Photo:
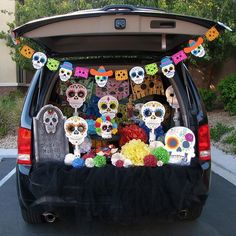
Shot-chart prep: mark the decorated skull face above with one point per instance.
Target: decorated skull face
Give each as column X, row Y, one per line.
column 39, row 60
column 76, row 129
column 50, row 120
column 76, row 95
column 153, row 114
column 180, row 142
column 151, row 69
column 195, row 47
column 65, row 71
column 137, row 74
column 101, row 80
column 105, row 127
column 171, row 97
column 167, row 67
column 108, row 106
column 137, row 116
column 199, row 51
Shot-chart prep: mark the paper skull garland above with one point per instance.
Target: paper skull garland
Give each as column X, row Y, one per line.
column 180, row 142
column 27, row 51
column 50, row 120
column 137, row 74
column 81, row 72
column 212, row 34
column 52, row 64
column 76, row 95
column 118, row 89
column 65, row 71
column 151, row 69
column 167, row 67
column 179, row 56
column 39, row 60
column 153, row 114
column 101, row 76
column 108, row 106
column 105, row 127
column 121, row 75
column 196, row 48
column 76, row 129
column 171, row 97
column 137, row 115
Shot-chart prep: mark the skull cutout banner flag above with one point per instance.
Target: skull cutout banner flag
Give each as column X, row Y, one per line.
column 53, row 64
column 81, row 72
column 196, row 48
column 137, row 74
column 108, row 106
column 39, row 60
column 101, row 76
column 65, row 71
column 180, row 142
column 167, row 67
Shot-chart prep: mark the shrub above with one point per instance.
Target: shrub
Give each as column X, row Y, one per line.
column 219, row 130
column 227, row 89
column 208, row 98
column 10, row 109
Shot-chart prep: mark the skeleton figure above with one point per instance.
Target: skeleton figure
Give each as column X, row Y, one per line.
column 39, row 60
column 50, row 120
column 167, row 67
column 171, row 97
column 137, row 74
column 65, row 71
column 180, row 142
column 153, row 114
column 108, row 106
column 136, row 114
column 101, row 80
column 76, row 95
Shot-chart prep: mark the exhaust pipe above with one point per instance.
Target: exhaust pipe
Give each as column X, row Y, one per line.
column 49, row 217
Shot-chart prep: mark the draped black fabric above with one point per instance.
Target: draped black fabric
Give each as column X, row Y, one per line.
column 119, row 192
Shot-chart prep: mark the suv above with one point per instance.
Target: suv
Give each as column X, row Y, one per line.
column 117, row 36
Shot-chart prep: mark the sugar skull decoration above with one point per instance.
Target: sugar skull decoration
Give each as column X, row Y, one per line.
column 212, row 34
column 152, row 114
column 52, row 64
column 196, row 48
column 179, row 56
column 50, row 120
column 118, row 89
column 171, row 97
column 121, row 75
column 180, row 142
column 65, row 71
column 81, row 72
column 101, row 76
column 167, row 67
column 137, row 74
column 151, row 69
column 39, row 59
column 76, row 95
column 136, row 114
column 108, row 106
column 27, row 51
column 105, row 127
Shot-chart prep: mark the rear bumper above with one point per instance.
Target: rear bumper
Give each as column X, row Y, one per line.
column 135, row 191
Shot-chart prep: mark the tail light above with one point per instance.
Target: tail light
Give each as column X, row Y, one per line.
column 204, row 144
column 24, row 146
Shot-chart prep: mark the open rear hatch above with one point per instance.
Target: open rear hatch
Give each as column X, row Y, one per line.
column 116, row 28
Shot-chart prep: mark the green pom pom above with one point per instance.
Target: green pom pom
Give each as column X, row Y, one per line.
column 161, row 154
column 98, row 130
column 99, row 161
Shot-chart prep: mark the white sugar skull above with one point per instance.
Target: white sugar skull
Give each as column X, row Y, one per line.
column 76, row 129
column 65, row 71
column 199, row 51
column 137, row 116
column 153, row 114
column 168, row 71
column 76, row 95
column 137, row 74
column 108, row 106
column 171, row 97
column 180, row 142
column 106, row 129
column 50, row 120
column 39, row 60
column 101, row 80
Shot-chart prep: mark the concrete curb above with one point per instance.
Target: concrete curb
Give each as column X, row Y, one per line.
column 224, row 164
column 8, row 153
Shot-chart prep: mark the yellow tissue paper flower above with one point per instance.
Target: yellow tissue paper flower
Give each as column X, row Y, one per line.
column 135, row 150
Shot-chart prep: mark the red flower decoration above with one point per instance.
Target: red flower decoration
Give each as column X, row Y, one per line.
column 150, row 160
column 108, row 118
column 119, row 163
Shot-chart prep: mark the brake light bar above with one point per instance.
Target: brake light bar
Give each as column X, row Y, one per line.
column 24, row 146
column 204, row 144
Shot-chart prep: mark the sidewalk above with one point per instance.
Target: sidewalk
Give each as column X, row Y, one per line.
column 222, row 164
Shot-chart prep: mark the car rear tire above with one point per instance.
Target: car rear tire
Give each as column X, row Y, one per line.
column 31, row 217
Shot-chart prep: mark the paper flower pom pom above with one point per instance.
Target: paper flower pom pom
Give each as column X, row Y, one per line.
column 161, row 154
column 117, row 157
column 69, row 158
column 89, row 162
column 150, row 160
column 160, row 163
column 135, row 150
column 78, row 163
column 127, row 163
column 119, row 163
column 99, row 161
